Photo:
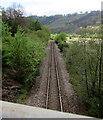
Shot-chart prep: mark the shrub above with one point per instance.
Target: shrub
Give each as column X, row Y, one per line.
column 23, row 52
column 60, row 39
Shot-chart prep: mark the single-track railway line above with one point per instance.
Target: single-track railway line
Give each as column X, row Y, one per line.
column 53, row 93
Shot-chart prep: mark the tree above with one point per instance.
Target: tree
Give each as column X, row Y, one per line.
column 13, row 16
column 38, row 26
column 31, row 23
column 60, row 39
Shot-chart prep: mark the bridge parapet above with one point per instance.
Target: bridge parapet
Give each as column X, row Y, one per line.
column 13, row 110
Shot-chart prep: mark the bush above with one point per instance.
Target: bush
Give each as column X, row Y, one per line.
column 60, row 39
column 23, row 52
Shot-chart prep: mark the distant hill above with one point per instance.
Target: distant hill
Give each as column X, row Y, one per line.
column 71, row 22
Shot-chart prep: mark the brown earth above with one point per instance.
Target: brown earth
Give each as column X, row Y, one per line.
column 10, row 87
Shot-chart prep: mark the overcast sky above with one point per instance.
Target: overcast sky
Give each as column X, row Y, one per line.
column 52, row 7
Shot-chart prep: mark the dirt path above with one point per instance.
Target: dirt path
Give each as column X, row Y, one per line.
column 38, row 95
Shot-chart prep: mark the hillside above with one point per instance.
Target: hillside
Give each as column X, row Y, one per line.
column 71, row 22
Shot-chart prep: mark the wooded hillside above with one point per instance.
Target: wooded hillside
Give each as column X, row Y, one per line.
column 71, row 22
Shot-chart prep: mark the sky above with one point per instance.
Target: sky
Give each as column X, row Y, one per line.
column 52, row 7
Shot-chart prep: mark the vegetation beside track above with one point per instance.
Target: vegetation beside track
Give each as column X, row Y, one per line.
column 24, row 42
column 84, row 60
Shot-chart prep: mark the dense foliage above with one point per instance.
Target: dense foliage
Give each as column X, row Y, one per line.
column 23, row 48
column 23, row 52
column 13, row 16
column 60, row 39
column 84, row 59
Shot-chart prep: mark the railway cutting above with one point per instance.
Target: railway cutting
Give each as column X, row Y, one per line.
column 53, row 89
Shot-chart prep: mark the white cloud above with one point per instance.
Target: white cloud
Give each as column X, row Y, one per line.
column 48, row 7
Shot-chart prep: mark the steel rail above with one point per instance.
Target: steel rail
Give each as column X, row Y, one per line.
column 58, row 79
column 49, row 75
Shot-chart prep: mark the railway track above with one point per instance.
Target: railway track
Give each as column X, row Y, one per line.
column 53, row 92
